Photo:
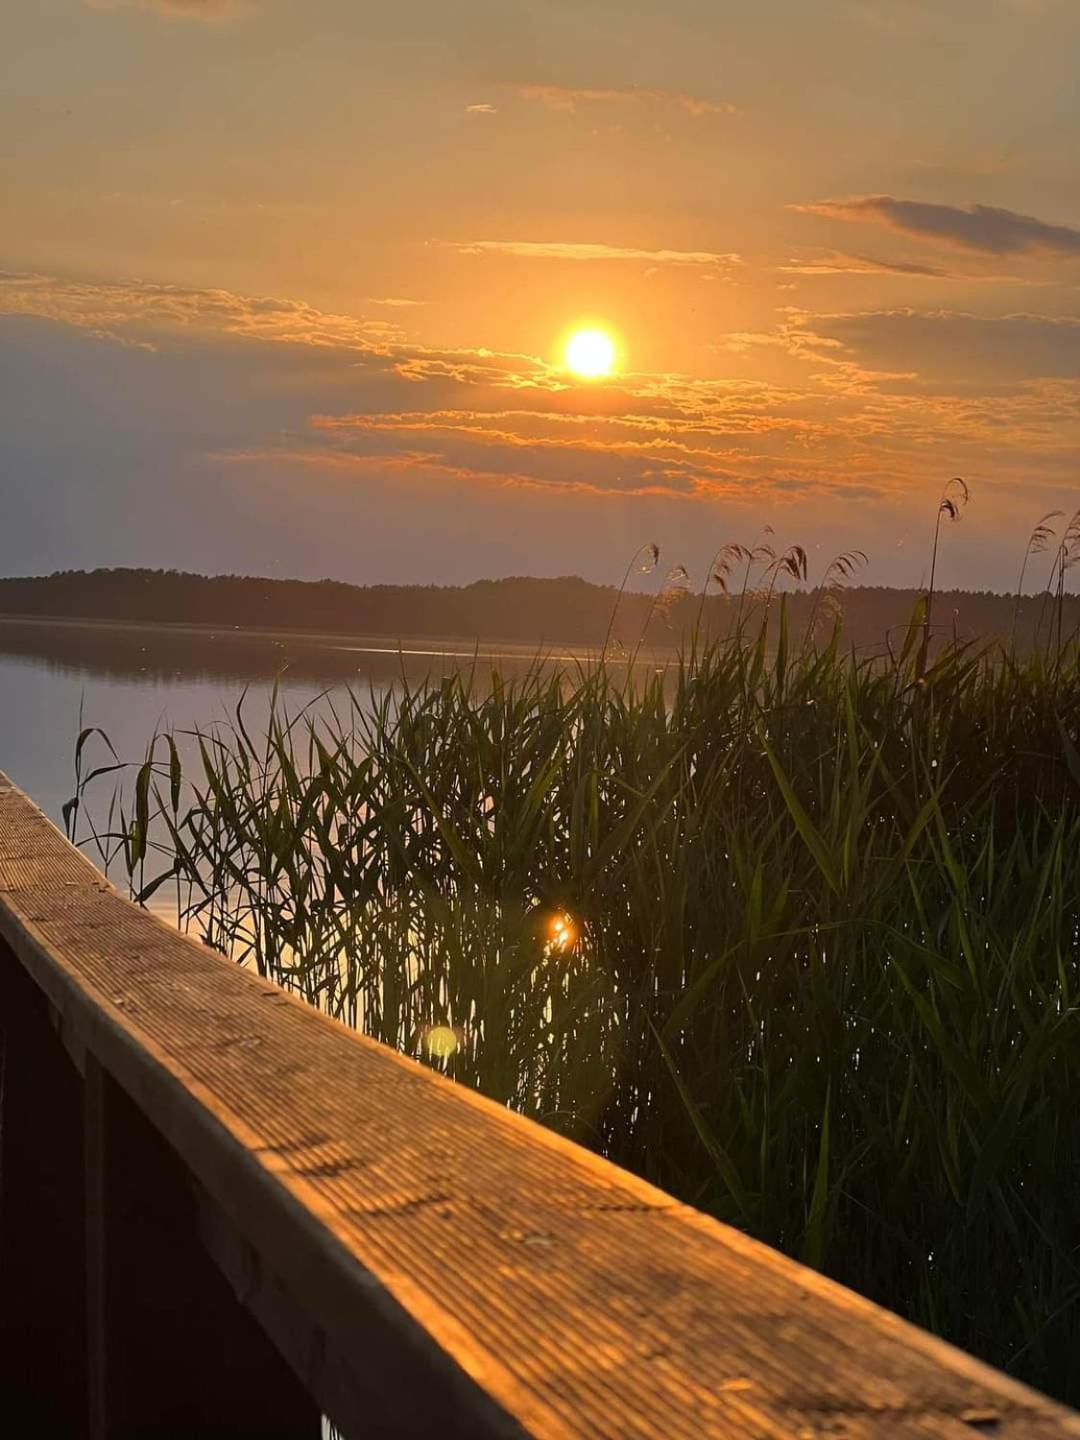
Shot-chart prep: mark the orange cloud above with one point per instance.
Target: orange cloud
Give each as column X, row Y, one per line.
column 872, row 398
column 593, row 253
column 567, row 98
column 209, row 11
column 113, row 305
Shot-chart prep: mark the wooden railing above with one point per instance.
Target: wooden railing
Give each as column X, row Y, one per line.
column 224, row 1214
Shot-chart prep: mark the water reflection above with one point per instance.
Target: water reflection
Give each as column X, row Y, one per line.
column 167, row 653
column 130, row 680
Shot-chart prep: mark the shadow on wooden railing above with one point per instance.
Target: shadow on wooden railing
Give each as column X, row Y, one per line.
column 225, row 1214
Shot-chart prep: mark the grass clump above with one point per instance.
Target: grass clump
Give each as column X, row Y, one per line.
column 791, row 933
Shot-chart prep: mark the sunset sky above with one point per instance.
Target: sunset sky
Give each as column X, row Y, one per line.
column 284, row 287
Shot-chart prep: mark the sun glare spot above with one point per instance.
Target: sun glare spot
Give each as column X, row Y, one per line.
column 562, row 932
column 590, row 354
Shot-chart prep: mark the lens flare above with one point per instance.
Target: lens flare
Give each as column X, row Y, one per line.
column 440, row 1042
column 562, row 932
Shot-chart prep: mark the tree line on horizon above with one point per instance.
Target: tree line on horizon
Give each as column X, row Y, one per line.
column 565, row 610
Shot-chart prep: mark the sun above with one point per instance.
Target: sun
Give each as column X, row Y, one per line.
column 590, row 354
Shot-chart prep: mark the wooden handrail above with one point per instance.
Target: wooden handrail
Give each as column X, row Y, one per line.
column 425, row 1261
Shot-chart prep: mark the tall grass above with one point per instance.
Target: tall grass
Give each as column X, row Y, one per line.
column 790, row 933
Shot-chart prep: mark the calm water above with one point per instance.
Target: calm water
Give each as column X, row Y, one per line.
column 40, row 703
column 129, row 681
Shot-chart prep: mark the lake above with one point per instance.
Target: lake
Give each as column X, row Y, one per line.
column 129, row 680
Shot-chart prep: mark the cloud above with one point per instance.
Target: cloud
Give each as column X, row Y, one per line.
column 983, row 229
column 114, row 456
column 395, row 302
column 209, row 11
column 841, row 263
column 482, row 109
column 245, row 391
column 628, row 436
column 146, row 306
column 954, row 347
column 567, row 98
column 908, row 392
column 609, row 477
column 659, row 435
column 570, row 250
column 152, row 313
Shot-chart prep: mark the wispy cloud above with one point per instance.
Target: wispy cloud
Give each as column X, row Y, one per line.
column 209, row 11
column 841, row 263
column 395, row 302
column 578, row 251
column 142, row 306
column 983, row 229
column 141, row 310
column 498, row 468
column 568, row 98
column 482, row 109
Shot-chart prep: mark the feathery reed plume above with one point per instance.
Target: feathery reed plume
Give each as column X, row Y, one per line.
column 954, row 498
column 676, row 584
column 1068, row 554
column 1038, row 542
column 792, row 562
column 645, row 558
column 760, row 555
column 719, row 573
column 838, row 572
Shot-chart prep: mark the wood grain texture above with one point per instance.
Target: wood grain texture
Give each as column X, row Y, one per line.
column 466, row 1268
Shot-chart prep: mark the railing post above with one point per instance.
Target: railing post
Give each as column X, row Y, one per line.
column 174, row 1353
column 42, row 1296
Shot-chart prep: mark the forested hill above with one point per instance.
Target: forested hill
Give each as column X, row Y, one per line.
column 567, row 610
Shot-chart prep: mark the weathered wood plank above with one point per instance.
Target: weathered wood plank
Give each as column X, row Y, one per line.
column 470, row 1273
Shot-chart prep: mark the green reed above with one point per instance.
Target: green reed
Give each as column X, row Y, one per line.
column 818, row 959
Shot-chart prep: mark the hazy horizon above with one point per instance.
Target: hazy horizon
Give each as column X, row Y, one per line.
column 638, row 583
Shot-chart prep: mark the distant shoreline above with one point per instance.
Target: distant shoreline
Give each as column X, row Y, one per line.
column 563, row 620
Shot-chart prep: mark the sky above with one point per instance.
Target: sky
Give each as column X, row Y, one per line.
column 285, row 287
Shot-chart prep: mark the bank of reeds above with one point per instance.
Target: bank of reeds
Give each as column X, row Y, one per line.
column 790, row 933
